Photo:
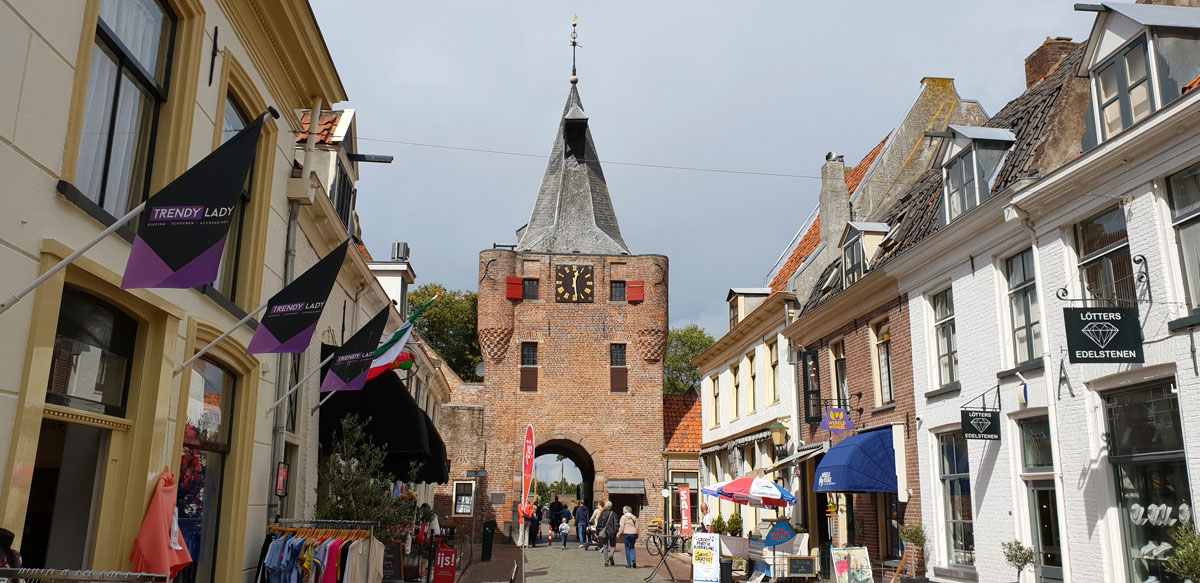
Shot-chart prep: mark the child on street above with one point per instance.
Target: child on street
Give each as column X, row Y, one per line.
column 563, row 529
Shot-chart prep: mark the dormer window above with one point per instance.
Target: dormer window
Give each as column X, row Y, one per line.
column 852, row 259
column 1123, row 89
column 859, row 241
column 974, row 157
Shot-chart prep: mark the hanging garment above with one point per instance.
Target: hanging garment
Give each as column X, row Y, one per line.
column 376, row 561
column 158, row 547
column 329, row 575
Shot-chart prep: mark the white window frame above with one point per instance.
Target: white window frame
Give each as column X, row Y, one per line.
column 1028, row 289
column 751, row 383
column 1178, row 223
column 773, row 372
column 853, row 271
column 715, row 384
column 736, row 393
column 1113, row 60
column 841, row 390
column 877, row 368
column 938, row 324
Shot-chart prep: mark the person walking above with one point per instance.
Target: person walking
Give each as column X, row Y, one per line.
column 528, row 514
column 609, row 524
column 581, row 519
column 555, row 513
column 564, row 529
column 629, row 535
column 593, row 535
column 544, row 515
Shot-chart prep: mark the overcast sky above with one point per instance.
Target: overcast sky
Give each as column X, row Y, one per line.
column 750, row 86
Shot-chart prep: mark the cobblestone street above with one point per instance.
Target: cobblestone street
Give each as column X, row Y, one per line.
column 552, row 564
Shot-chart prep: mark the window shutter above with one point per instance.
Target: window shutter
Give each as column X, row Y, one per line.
column 635, row 291
column 529, row 378
column 619, row 379
column 515, row 288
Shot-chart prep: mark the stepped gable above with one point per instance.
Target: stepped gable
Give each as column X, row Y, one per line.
column 573, row 212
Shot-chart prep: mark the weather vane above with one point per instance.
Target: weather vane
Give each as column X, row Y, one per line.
column 574, row 45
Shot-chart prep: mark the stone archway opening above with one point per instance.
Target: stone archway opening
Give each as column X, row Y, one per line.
column 577, row 455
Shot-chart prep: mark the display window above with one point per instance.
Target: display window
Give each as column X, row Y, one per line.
column 1153, row 493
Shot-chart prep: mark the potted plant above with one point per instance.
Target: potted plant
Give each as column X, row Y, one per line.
column 913, row 536
column 1185, row 562
column 718, row 525
column 734, row 526
column 1019, row 556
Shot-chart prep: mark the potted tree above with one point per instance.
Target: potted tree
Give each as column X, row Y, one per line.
column 1185, row 562
column 1018, row 556
column 734, row 526
column 913, row 536
column 719, row 525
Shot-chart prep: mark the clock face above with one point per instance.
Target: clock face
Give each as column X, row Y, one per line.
column 574, row 283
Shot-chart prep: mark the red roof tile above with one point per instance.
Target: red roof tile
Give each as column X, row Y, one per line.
column 325, row 127
column 855, row 175
column 363, row 249
column 1192, row 85
column 681, row 422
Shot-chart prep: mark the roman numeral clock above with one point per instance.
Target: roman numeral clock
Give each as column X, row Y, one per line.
column 574, row 283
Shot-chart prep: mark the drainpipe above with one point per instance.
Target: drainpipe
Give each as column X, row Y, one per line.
column 284, row 362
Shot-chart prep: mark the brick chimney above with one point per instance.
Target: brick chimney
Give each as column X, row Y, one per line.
column 1041, row 62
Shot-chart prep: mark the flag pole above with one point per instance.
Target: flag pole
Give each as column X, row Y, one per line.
column 322, row 402
column 12, row 300
column 298, row 383
column 218, row 339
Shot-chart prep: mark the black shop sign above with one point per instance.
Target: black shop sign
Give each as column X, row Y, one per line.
column 981, row 424
column 1104, row 335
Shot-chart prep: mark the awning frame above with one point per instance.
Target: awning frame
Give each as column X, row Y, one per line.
column 802, row 454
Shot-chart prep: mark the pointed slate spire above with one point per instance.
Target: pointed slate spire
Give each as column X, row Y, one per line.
column 573, row 212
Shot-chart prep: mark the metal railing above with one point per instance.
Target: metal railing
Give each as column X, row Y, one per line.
column 49, row 575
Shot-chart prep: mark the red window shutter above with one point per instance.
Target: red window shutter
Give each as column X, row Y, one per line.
column 618, row 379
column 529, row 378
column 515, row 288
column 635, row 291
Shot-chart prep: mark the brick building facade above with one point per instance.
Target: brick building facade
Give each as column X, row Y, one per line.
column 573, row 329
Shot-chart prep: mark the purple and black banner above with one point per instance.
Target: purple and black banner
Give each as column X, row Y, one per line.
column 181, row 233
column 292, row 313
column 350, row 364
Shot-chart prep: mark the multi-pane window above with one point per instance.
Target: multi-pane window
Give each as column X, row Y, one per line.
column 616, row 354
column 883, row 356
column 955, row 474
column 206, row 445
column 93, row 355
column 751, row 383
column 716, row 400
column 943, row 331
column 1184, row 189
column 841, row 381
column 1035, row 445
column 773, row 372
column 342, row 195
column 529, row 353
column 811, row 375
column 1105, row 269
column 1123, row 89
column 127, row 84
column 464, row 498
column 734, row 407
column 529, row 289
column 1023, row 307
column 733, row 313
column 616, row 291
column 235, row 120
column 968, row 177
column 852, row 259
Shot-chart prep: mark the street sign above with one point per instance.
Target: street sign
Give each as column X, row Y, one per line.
column 981, row 424
column 1105, row 335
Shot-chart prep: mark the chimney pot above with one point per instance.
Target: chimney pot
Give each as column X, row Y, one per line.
column 1043, row 60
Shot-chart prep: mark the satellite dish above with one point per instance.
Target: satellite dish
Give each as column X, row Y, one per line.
column 479, row 370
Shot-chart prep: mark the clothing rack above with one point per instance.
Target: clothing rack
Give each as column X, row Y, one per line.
column 328, row 528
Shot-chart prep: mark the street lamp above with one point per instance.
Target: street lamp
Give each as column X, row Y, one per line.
column 779, row 437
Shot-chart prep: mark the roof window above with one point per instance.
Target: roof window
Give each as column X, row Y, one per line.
column 972, row 159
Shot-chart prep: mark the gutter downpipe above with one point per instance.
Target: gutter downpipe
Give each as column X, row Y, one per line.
column 285, row 361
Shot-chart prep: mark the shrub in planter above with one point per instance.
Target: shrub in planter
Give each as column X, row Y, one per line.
column 719, row 525
column 734, row 526
column 1018, row 556
column 1185, row 562
column 913, row 536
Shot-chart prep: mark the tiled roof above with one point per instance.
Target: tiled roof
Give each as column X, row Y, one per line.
column 326, row 126
column 854, row 176
column 1194, row 83
column 681, row 422
column 363, row 249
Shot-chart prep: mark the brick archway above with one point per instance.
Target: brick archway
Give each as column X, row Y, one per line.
column 580, row 456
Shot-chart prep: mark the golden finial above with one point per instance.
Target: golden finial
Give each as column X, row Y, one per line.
column 574, row 45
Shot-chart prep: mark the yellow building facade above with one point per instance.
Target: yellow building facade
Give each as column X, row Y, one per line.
column 105, row 102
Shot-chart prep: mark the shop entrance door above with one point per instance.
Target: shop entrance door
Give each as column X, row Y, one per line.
column 64, row 495
column 824, row 533
column 1043, row 509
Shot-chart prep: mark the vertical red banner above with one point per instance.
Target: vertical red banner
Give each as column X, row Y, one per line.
column 685, row 510
column 445, row 563
column 526, row 464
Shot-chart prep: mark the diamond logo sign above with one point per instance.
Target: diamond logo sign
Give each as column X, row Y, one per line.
column 1103, row 335
column 1100, row 332
column 981, row 424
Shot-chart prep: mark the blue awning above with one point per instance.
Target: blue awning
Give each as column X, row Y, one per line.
column 860, row 463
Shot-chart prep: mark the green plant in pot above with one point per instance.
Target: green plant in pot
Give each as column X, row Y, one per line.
column 913, row 536
column 734, row 526
column 718, row 525
column 1018, row 556
column 1185, row 562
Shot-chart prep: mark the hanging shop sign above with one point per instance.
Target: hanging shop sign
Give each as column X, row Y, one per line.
column 705, row 552
column 1103, row 335
column 780, row 533
column 981, row 416
column 980, row 424
column 837, row 420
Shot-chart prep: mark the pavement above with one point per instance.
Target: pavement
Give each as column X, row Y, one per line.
column 552, row 564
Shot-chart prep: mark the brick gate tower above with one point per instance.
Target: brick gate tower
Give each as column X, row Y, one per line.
column 573, row 329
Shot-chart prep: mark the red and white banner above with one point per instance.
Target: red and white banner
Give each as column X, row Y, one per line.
column 527, row 463
column 445, row 563
column 685, row 510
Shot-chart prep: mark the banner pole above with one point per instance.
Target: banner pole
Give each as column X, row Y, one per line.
column 322, row 402
column 12, row 300
column 218, row 339
column 298, row 383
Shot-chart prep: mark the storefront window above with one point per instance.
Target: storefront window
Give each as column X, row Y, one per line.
column 205, row 447
column 690, row 479
column 1035, row 445
column 1146, row 450
column 93, row 355
column 956, row 490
